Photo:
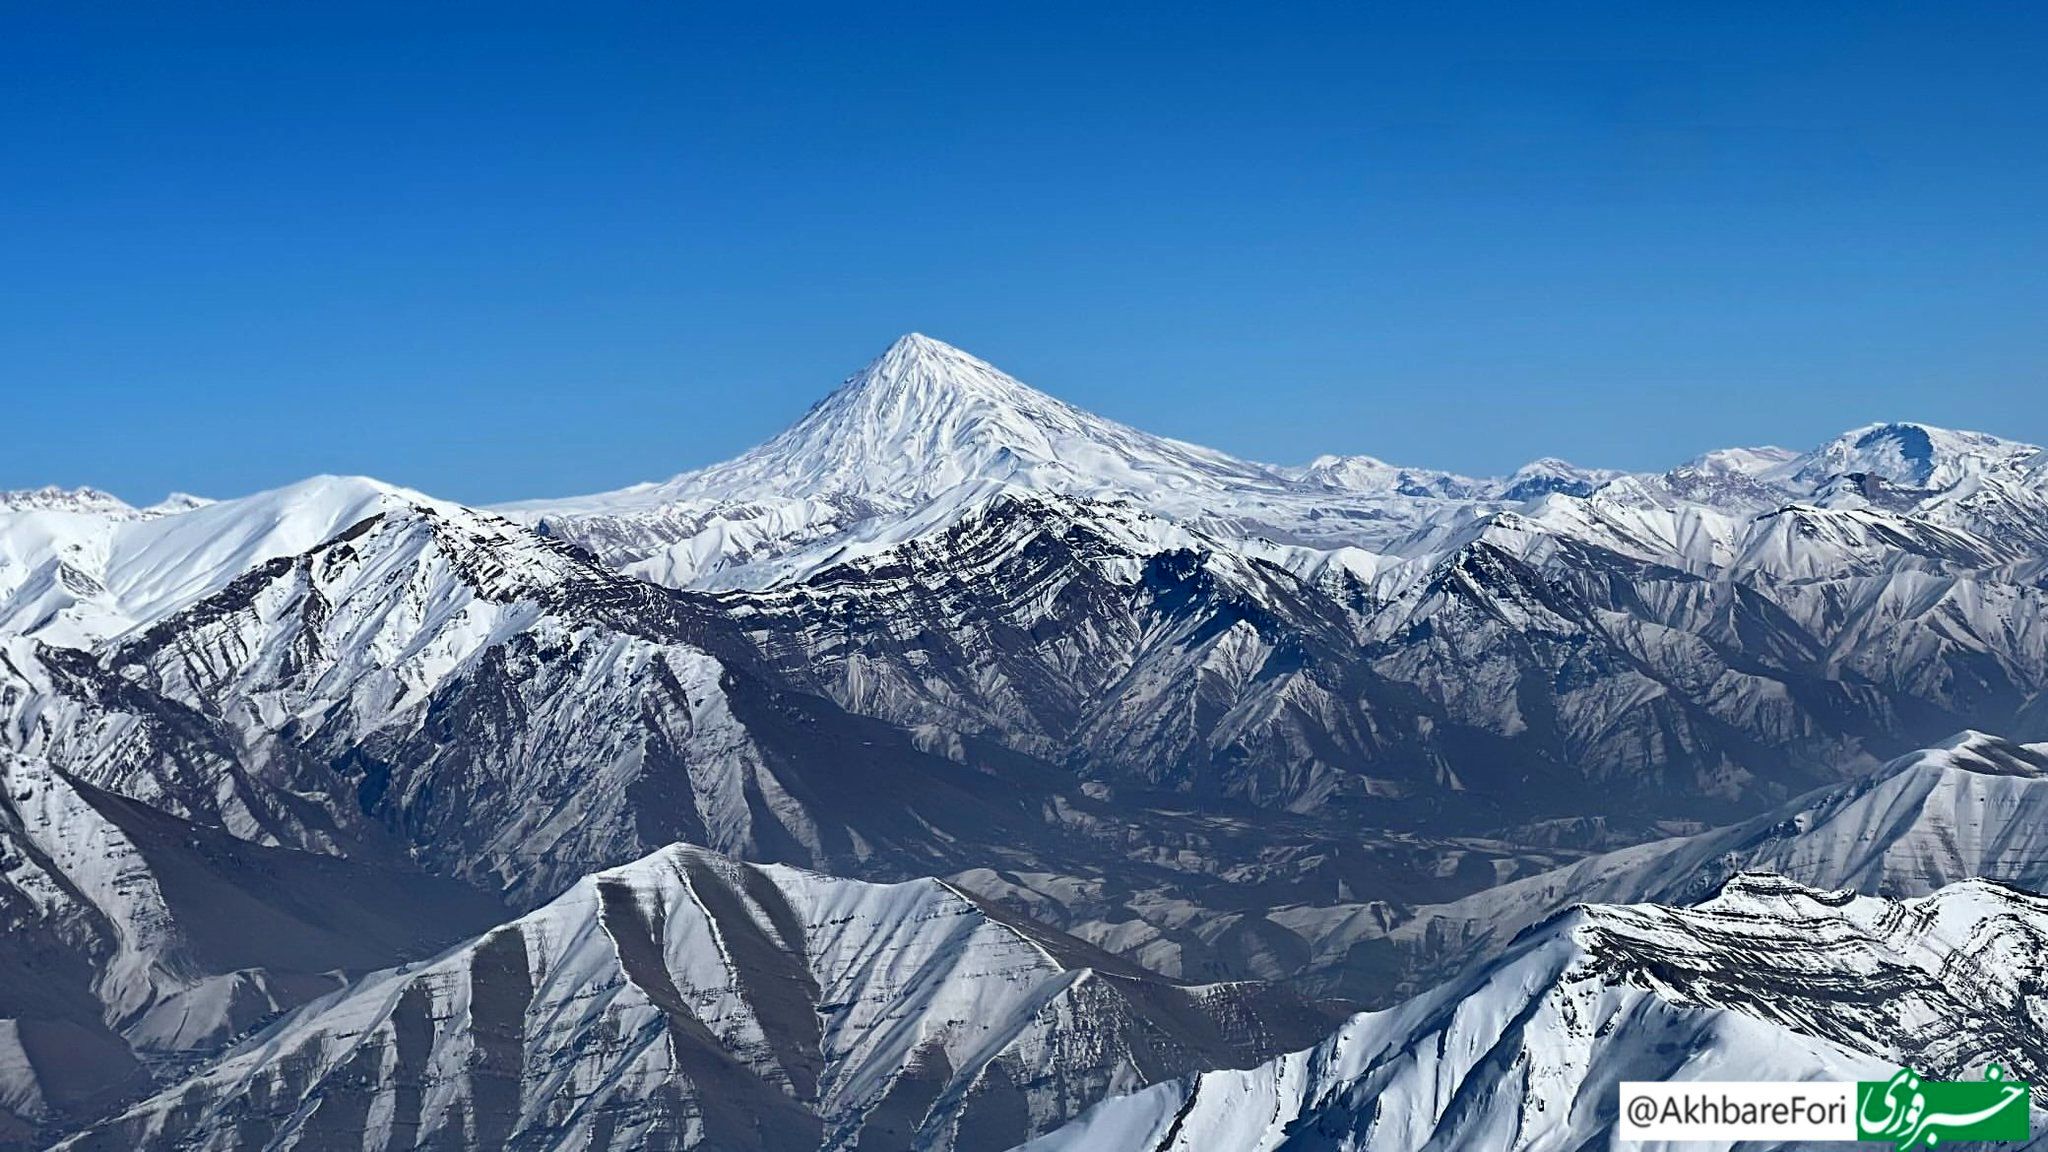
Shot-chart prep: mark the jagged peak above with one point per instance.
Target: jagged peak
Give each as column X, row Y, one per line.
column 53, row 498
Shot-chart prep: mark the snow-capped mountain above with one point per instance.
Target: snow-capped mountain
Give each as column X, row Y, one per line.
column 437, row 683
column 1769, row 980
column 687, row 1000
column 1548, row 476
column 88, row 501
column 927, row 427
column 1053, row 601
column 1907, row 458
column 1223, row 638
column 162, row 658
column 1349, row 725
column 132, row 941
column 1743, row 622
column 1972, row 807
column 92, row 501
column 1373, row 475
column 497, row 704
column 79, row 567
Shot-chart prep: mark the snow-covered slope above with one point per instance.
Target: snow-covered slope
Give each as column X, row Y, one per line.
column 162, row 658
column 1228, row 718
column 1908, row 457
column 86, row 567
column 926, row 417
column 1767, row 981
column 1526, row 673
column 500, row 708
column 1740, row 628
column 1972, row 807
column 130, row 939
column 922, row 423
column 1081, row 631
column 1736, row 631
column 1000, row 598
column 690, row 1001
column 926, row 427
column 508, row 712
column 507, row 709
column 79, row 501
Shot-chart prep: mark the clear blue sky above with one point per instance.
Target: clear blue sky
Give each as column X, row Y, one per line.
column 503, row 250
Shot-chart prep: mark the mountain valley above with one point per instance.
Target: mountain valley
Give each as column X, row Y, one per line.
column 959, row 761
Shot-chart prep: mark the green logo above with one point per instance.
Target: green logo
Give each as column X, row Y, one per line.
column 1916, row 1113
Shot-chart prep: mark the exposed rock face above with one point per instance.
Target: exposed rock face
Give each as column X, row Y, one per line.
column 1768, row 981
column 1349, row 725
column 938, row 544
column 1973, row 807
column 1031, row 591
column 134, row 942
column 690, row 1001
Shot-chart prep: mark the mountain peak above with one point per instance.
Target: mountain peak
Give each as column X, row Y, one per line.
column 921, row 417
column 923, row 370
column 924, row 418
column 52, row 498
column 1977, row 752
column 1909, row 455
column 919, row 344
column 1373, row 476
column 1548, row 474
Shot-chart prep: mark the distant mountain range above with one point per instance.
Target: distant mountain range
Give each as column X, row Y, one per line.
column 1212, row 752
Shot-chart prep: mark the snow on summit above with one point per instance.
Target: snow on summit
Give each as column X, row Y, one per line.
column 926, row 427
column 1355, row 726
column 52, row 498
column 926, row 417
column 1909, row 455
column 926, row 431
column 90, row 566
column 922, row 428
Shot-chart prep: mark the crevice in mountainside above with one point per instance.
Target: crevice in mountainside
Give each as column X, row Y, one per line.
column 739, row 1110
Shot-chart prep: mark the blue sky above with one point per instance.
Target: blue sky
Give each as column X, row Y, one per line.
column 507, row 250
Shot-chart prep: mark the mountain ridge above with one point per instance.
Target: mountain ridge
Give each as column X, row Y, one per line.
column 689, row 1000
column 926, row 423
column 1769, row 980
column 1350, row 726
